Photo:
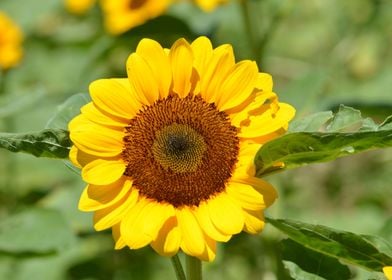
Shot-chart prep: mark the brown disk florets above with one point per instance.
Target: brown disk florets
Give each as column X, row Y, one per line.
column 180, row 150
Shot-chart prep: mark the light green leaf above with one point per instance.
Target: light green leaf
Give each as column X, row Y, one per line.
column 39, row 231
column 52, row 143
column 347, row 119
column 67, row 111
column 311, row 123
column 345, row 246
column 300, row 260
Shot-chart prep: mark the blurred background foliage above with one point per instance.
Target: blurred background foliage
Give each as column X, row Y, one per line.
column 320, row 54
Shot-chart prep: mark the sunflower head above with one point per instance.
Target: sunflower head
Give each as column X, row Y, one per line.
column 123, row 15
column 167, row 153
column 209, row 5
column 79, row 7
column 10, row 42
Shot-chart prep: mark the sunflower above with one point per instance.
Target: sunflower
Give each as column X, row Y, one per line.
column 167, row 153
column 10, row 42
column 79, row 6
column 209, row 5
column 122, row 15
column 388, row 272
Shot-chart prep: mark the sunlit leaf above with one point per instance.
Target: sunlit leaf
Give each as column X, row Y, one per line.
column 311, row 123
column 52, row 143
column 347, row 119
column 301, row 148
column 35, row 230
column 345, row 246
column 312, row 262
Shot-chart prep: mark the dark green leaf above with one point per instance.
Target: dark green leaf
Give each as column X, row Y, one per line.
column 52, row 143
column 298, row 149
column 313, row 262
column 345, row 246
column 39, row 231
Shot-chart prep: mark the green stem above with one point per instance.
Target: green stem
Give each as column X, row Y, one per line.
column 193, row 268
column 249, row 30
column 258, row 45
column 180, row 275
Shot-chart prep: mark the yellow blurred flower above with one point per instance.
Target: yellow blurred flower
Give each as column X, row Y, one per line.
column 79, row 6
column 10, row 42
column 388, row 272
column 168, row 152
column 209, row 5
column 122, row 15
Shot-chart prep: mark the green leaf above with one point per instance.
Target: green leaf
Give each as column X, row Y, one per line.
column 323, row 137
column 311, row 123
column 300, row 148
column 345, row 246
column 52, row 143
column 297, row 273
column 39, row 231
column 347, row 119
column 299, row 260
column 67, row 111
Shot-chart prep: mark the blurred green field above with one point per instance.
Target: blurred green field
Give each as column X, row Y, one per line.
column 320, row 54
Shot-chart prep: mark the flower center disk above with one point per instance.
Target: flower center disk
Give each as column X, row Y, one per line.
column 180, row 150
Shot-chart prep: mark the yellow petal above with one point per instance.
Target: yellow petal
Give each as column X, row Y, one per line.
column 203, row 217
column 103, row 172
column 97, row 140
column 79, row 158
column 202, row 51
column 156, row 58
column 73, row 156
column 192, row 241
column 264, row 82
column 181, row 59
column 268, row 122
column 225, row 214
column 222, row 60
column 93, row 114
column 118, row 240
column 107, row 217
column 142, row 79
column 245, row 166
column 80, row 121
column 98, row 197
column 246, row 195
column 168, row 240
column 210, row 250
column 388, row 272
column 115, row 97
column 143, row 222
column 254, row 221
column 238, row 86
column 256, row 105
column 263, row 187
